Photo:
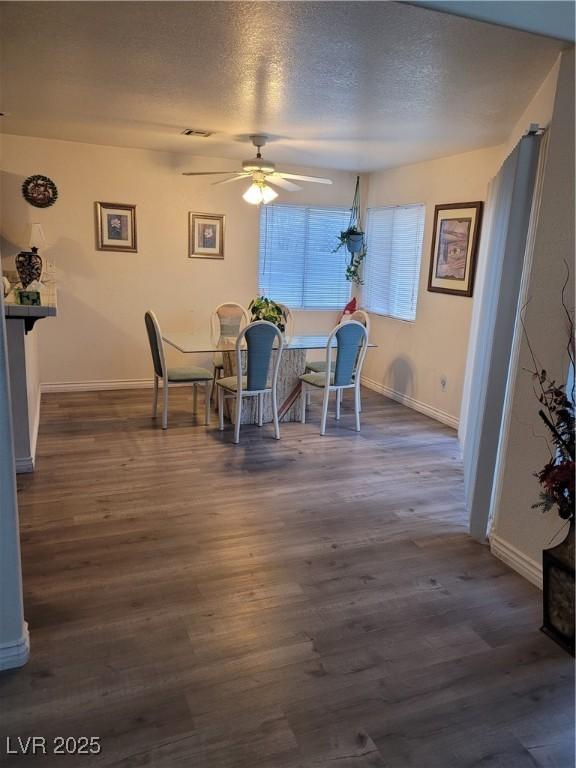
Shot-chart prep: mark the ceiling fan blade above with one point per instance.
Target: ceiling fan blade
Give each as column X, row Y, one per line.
column 316, row 179
column 277, row 180
column 240, row 177
column 207, row 173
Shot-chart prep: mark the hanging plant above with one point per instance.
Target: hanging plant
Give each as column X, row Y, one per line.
column 353, row 239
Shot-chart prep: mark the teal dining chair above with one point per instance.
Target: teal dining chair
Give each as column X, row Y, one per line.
column 257, row 341
column 191, row 374
column 341, row 373
column 319, row 366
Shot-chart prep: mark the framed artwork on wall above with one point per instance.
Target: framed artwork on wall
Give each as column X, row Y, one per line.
column 39, row 191
column 206, row 236
column 116, row 227
column 454, row 247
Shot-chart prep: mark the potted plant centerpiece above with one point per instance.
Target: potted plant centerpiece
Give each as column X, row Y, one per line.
column 353, row 239
column 263, row 308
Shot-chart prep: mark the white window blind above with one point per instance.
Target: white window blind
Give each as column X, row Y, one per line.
column 392, row 266
column 297, row 266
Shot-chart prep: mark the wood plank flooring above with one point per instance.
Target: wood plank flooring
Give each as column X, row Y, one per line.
column 306, row 603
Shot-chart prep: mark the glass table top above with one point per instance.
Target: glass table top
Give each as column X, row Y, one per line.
column 201, row 342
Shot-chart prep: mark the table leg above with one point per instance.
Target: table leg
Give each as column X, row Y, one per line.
column 292, row 366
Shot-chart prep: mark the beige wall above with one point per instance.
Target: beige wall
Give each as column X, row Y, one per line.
column 99, row 332
column 412, row 357
column 519, row 532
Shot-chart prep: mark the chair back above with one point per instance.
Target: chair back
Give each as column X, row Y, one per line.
column 352, row 340
column 289, row 315
column 156, row 344
column 362, row 317
column 227, row 320
column 260, row 338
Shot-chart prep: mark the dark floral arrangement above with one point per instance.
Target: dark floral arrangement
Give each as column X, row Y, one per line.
column 557, row 477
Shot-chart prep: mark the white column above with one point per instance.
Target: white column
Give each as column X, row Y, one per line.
column 494, row 319
column 16, row 348
column 14, row 640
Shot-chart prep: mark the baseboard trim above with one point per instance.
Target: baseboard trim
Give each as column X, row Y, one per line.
column 411, row 402
column 517, row 560
column 24, row 465
column 17, row 653
column 95, row 386
column 35, row 428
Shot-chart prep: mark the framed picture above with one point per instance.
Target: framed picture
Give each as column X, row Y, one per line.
column 116, row 227
column 454, row 246
column 206, row 236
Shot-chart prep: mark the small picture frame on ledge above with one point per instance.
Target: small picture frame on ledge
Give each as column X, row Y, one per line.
column 454, row 247
column 116, row 227
column 29, row 298
column 206, row 236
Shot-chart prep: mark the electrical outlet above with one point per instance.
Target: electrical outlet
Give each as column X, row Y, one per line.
column 443, row 383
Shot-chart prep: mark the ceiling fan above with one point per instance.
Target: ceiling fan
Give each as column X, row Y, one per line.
column 263, row 173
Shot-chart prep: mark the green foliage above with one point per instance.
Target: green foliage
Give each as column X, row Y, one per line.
column 356, row 259
column 344, row 237
column 353, row 268
column 263, row 308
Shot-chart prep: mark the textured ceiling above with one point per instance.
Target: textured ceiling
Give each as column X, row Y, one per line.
column 358, row 86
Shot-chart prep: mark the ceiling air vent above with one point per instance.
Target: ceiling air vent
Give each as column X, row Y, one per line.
column 195, row 132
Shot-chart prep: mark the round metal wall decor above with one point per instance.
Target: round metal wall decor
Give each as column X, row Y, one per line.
column 39, row 191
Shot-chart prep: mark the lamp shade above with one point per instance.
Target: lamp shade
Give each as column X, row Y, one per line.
column 37, row 238
column 258, row 193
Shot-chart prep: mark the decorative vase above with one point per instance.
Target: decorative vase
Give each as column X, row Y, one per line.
column 558, row 591
column 29, row 266
column 354, row 243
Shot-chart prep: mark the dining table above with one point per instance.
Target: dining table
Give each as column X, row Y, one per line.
column 292, row 366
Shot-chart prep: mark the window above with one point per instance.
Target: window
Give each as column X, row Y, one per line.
column 392, row 267
column 297, row 264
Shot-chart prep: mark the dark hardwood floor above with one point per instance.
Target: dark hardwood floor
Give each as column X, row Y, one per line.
column 306, row 603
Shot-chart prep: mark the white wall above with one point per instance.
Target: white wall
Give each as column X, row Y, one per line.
column 539, row 110
column 99, row 332
column 412, row 357
column 519, row 532
column 25, row 391
column 98, row 335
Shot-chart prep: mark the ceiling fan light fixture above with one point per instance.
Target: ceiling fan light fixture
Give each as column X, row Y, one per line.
column 258, row 166
column 259, row 193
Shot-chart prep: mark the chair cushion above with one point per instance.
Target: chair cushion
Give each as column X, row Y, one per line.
column 218, row 360
column 189, row 373
column 231, row 383
column 316, row 379
column 316, row 365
